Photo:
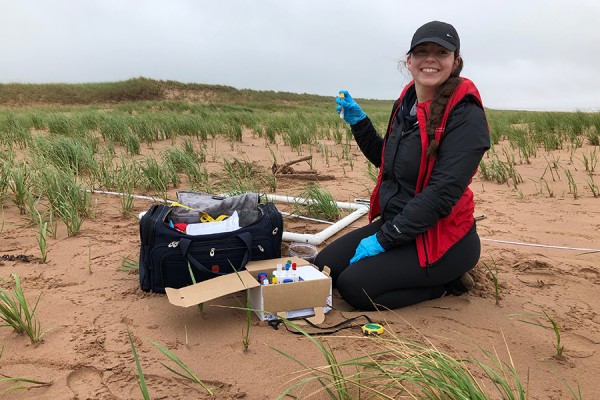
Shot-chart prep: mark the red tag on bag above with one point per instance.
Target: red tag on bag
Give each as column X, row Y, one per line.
column 215, row 268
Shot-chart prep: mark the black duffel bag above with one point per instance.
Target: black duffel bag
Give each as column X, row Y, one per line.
column 167, row 255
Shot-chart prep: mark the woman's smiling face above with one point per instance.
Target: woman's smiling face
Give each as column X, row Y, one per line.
column 430, row 65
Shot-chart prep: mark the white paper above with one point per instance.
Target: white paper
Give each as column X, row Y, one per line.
column 308, row 273
column 228, row 225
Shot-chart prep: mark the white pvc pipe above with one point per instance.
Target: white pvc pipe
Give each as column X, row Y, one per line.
column 361, row 208
column 301, row 200
column 315, row 239
column 320, row 237
column 321, row 221
column 135, row 196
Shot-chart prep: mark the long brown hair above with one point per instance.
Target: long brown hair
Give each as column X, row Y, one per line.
column 439, row 103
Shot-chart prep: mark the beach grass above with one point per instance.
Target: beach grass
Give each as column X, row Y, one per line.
column 141, row 379
column 319, row 203
column 184, row 371
column 19, row 383
column 83, row 128
column 17, row 313
column 534, row 319
column 401, row 368
column 180, row 369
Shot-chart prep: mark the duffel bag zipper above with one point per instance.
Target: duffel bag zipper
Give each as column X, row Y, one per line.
column 166, row 256
column 194, row 249
column 157, row 217
column 274, row 217
column 212, row 251
column 149, row 227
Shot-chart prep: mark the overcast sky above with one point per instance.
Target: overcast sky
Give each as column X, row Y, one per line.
column 522, row 54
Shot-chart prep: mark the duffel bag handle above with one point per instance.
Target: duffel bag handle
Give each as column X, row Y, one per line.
column 184, row 245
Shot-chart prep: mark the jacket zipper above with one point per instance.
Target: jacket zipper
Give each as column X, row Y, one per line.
column 427, row 265
column 385, row 139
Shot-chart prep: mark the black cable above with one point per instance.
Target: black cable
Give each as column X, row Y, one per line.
column 336, row 328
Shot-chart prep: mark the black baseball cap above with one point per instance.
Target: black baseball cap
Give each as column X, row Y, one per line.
column 437, row 32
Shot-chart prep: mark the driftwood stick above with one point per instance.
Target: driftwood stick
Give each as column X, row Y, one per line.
column 278, row 168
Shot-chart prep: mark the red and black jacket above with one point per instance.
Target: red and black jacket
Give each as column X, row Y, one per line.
column 423, row 199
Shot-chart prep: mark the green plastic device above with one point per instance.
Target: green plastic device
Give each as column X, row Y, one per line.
column 372, row 329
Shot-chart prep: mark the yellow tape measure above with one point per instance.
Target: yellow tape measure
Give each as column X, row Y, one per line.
column 372, row 329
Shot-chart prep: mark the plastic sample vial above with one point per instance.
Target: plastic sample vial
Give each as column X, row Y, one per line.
column 261, row 277
column 342, row 109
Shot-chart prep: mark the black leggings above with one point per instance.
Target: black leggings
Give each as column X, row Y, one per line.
column 394, row 278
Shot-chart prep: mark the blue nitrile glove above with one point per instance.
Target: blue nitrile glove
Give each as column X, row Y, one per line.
column 368, row 247
column 352, row 111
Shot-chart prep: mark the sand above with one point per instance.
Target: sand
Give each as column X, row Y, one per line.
column 88, row 303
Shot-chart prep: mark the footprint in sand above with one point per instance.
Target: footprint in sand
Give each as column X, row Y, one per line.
column 86, row 383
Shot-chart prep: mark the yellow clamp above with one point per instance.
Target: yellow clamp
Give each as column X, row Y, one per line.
column 204, row 217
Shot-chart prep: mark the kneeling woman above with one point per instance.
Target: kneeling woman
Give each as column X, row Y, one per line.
column 421, row 240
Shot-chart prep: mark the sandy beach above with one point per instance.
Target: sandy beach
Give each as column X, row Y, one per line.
column 543, row 245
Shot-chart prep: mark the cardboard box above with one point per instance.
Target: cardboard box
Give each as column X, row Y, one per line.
column 310, row 298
